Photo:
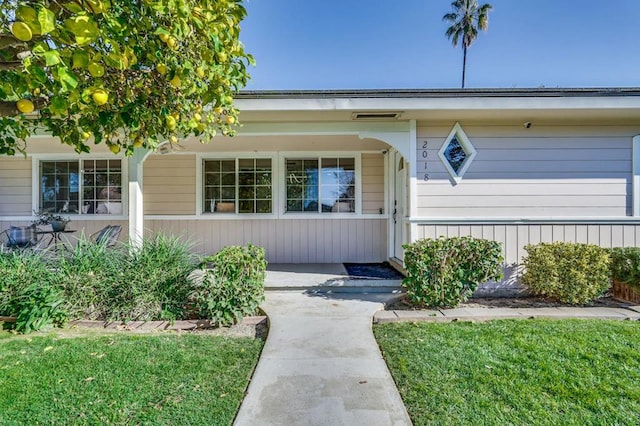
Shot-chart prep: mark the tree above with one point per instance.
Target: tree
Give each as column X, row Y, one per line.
column 466, row 19
column 128, row 73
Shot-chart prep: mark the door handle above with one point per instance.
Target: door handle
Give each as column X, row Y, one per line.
column 395, row 211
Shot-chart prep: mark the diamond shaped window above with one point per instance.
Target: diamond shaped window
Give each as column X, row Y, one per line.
column 457, row 153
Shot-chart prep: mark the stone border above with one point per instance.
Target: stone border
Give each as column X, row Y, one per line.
column 487, row 314
column 146, row 326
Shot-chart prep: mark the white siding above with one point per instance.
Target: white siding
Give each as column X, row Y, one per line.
column 15, row 186
column 287, row 240
column 580, row 173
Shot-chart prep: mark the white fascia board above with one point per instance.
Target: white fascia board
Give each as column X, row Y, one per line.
column 453, row 103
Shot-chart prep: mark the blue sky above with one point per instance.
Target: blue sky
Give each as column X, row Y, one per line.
column 382, row 44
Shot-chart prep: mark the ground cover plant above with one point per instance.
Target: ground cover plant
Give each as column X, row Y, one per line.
column 124, row 379
column 515, row 371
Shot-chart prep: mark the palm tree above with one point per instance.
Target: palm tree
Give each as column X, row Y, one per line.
column 467, row 17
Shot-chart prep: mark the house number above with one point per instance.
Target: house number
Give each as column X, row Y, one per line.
column 425, row 154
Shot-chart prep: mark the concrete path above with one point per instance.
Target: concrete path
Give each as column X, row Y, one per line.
column 321, row 365
column 624, row 312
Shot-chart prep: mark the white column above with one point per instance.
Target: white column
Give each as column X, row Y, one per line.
column 136, row 207
column 636, row 176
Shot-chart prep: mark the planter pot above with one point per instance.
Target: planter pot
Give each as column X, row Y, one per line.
column 625, row 292
column 58, row 226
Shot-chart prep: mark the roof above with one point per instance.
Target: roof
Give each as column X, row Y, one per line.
column 439, row 93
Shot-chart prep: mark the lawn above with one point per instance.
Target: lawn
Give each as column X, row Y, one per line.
column 124, row 378
column 516, row 371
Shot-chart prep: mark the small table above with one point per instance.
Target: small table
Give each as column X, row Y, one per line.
column 55, row 238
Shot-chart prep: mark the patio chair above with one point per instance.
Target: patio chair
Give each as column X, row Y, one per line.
column 107, row 235
column 20, row 237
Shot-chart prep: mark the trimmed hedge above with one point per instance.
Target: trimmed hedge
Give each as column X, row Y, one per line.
column 625, row 266
column 569, row 272
column 444, row 272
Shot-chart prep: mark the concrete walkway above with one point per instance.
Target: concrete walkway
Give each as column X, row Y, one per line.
column 321, row 364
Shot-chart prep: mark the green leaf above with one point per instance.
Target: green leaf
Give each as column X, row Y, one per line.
column 67, row 78
column 51, row 57
column 47, row 20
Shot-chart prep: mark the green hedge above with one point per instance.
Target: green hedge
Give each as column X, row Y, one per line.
column 569, row 272
column 232, row 285
column 625, row 265
column 444, row 272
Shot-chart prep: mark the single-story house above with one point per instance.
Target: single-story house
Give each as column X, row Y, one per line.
column 350, row 176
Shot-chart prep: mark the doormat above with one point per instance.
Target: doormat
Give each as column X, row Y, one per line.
column 373, row 270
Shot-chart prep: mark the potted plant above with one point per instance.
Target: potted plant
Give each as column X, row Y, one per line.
column 58, row 222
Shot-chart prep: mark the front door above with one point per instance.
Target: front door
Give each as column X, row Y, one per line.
column 399, row 205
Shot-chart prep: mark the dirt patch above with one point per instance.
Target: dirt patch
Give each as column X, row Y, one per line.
column 403, row 304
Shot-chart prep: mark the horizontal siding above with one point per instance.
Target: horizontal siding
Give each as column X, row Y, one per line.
column 514, row 237
column 287, row 241
column 15, row 186
column 372, row 183
column 517, row 175
column 169, row 185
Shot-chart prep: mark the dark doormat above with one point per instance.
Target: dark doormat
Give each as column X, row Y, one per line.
column 373, row 270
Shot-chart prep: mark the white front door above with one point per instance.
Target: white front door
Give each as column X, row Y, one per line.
column 399, row 205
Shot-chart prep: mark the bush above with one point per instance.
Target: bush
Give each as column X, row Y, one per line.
column 30, row 291
column 625, row 265
column 145, row 283
column 569, row 272
column 232, row 285
column 444, row 272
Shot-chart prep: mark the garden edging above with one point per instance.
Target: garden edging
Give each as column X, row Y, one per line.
column 180, row 325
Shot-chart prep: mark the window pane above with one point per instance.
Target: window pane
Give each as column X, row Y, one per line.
column 302, row 185
column 338, row 185
column 102, row 187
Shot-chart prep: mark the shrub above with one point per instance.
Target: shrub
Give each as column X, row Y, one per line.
column 30, row 291
column 232, row 285
column 625, row 265
column 444, row 272
column 569, row 272
column 124, row 283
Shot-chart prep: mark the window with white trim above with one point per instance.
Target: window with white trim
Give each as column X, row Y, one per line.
column 81, row 186
column 320, row 185
column 238, row 185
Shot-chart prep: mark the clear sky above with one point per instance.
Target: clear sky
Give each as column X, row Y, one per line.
column 383, row 44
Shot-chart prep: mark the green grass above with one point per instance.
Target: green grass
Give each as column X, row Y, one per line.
column 124, row 379
column 516, row 372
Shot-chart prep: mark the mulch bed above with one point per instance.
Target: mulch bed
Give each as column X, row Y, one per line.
column 403, row 304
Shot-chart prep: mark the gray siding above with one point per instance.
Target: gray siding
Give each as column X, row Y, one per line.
column 15, row 186
column 516, row 174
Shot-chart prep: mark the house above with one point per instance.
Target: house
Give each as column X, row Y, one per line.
column 336, row 176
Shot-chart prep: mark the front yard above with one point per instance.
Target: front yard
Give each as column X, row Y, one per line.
column 95, row 378
column 515, row 371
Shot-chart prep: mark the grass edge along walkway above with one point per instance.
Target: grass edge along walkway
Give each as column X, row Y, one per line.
column 516, row 372
column 166, row 378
